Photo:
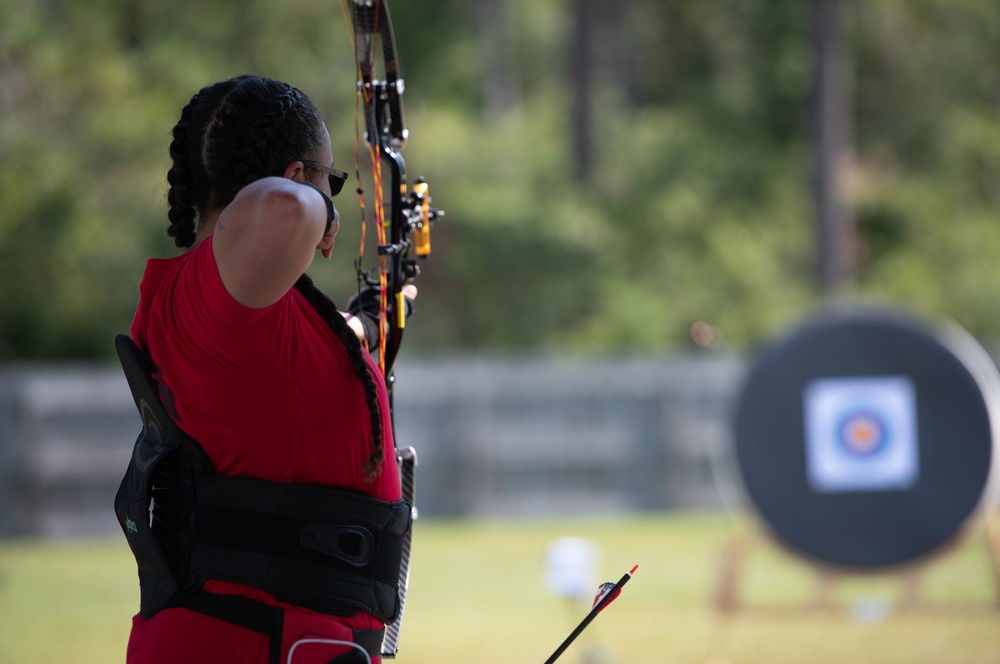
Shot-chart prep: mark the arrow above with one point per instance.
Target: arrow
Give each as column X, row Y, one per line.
column 606, row 594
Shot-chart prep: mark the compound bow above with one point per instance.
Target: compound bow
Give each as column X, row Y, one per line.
column 405, row 228
column 402, row 222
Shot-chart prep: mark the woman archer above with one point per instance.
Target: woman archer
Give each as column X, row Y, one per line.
column 269, row 382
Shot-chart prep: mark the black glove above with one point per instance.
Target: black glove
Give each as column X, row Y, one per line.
column 364, row 306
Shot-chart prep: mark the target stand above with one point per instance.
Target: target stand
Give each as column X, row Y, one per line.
column 866, row 442
column 737, row 553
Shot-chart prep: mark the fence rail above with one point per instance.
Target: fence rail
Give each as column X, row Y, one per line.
column 498, row 436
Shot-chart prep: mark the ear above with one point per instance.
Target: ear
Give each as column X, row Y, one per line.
column 295, row 170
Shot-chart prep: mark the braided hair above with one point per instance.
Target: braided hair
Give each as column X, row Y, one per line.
column 231, row 134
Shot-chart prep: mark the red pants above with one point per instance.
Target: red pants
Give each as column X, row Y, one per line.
column 181, row 635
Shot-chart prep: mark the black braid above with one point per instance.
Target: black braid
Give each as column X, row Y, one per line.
column 181, row 178
column 328, row 310
column 261, row 139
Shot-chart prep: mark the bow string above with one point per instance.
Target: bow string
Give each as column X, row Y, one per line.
column 402, row 218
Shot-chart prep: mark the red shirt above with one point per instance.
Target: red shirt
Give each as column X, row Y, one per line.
column 268, row 393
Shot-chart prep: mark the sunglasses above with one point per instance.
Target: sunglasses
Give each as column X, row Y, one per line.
column 337, row 178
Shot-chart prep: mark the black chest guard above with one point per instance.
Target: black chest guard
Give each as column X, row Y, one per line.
column 329, row 549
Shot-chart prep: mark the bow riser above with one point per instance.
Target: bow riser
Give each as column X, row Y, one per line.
column 397, row 251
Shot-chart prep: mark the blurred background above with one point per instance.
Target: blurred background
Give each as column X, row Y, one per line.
column 614, row 173
column 639, row 194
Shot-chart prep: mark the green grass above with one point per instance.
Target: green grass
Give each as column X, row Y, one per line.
column 478, row 594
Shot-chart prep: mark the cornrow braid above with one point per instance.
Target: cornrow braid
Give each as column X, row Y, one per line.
column 262, row 137
column 181, row 179
column 328, row 311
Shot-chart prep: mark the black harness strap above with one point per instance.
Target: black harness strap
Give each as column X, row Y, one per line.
column 245, row 612
column 370, row 640
column 334, row 556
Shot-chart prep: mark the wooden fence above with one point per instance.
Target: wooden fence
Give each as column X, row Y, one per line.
column 495, row 436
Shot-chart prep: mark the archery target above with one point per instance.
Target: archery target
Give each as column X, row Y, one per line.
column 867, row 439
column 861, row 434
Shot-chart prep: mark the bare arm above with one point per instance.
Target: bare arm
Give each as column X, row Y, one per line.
column 266, row 239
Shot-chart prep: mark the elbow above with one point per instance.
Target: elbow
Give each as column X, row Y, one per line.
column 290, row 209
column 284, row 203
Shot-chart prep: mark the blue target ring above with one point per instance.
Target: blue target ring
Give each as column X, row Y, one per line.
column 862, row 433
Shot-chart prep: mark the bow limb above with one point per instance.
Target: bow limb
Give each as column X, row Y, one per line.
column 385, row 137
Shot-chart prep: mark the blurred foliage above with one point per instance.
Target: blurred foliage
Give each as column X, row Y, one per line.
column 699, row 209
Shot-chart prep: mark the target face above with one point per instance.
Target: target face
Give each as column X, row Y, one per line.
column 866, row 439
column 861, row 433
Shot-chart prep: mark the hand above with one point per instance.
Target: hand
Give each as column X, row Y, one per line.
column 355, row 324
column 362, row 312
